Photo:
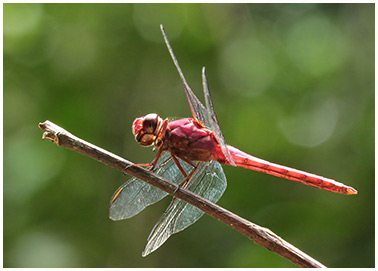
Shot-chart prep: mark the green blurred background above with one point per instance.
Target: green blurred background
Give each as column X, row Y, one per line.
column 291, row 83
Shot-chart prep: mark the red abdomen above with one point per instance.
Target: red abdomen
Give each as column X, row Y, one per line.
column 245, row 160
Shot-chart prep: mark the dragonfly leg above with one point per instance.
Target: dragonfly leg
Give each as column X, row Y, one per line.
column 161, row 133
column 179, row 165
column 151, row 165
column 187, row 177
column 188, row 161
column 183, row 184
column 137, row 165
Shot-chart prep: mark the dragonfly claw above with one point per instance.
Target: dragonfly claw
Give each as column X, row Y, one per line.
column 149, row 166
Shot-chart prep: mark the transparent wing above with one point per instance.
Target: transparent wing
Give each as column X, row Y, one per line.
column 199, row 112
column 214, row 125
column 135, row 195
column 209, row 182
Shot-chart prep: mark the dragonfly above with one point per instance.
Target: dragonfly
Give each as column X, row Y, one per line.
column 190, row 153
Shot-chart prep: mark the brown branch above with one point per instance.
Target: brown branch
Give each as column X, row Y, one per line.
column 258, row 234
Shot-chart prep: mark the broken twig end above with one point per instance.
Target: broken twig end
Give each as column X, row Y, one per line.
column 50, row 131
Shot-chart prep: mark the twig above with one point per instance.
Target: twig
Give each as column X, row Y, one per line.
column 258, row 234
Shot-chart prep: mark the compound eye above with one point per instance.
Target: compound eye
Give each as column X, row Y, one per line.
column 150, row 122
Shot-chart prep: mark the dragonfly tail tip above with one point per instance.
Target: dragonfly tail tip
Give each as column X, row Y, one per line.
column 351, row 191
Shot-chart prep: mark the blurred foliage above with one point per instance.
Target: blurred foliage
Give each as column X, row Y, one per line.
column 291, row 83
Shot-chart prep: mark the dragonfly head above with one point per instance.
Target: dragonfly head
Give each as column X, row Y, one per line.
column 146, row 129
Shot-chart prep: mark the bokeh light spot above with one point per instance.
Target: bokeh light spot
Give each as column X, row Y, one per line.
column 30, row 163
column 313, row 123
column 247, row 66
column 73, row 49
column 316, row 46
column 43, row 249
column 21, row 19
column 147, row 20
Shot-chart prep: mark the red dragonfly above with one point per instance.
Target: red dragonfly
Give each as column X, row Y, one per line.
column 190, row 152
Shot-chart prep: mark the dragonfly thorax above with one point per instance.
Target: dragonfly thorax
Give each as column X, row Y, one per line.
column 146, row 129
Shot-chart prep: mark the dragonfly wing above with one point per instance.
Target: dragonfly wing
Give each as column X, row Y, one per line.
column 205, row 115
column 199, row 112
column 209, row 182
column 213, row 120
column 135, row 195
